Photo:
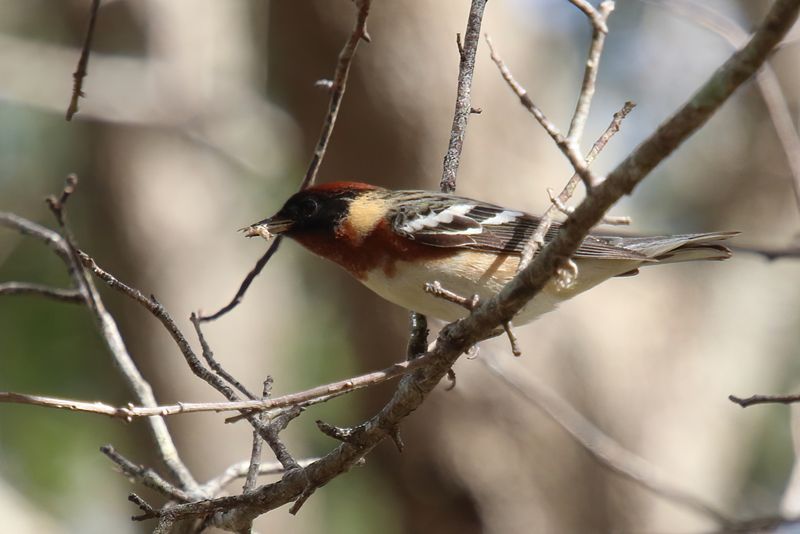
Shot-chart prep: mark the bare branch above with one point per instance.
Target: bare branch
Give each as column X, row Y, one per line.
column 248, row 280
column 208, row 355
column 466, row 68
column 603, row 140
column 568, row 147
column 83, row 63
column 512, row 339
column 452, row 159
column 270, row 433
column 255, row 450
column 145, row 475
column 148, row 510
column 55, row 293
column 435, row 288
column 302, row 398
column 566, row 210
column 457, row 337
column 590, row 73
column 29, row 228
column 598, row 22
column 764, row 399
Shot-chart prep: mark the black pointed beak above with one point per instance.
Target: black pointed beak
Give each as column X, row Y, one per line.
column 269, row 228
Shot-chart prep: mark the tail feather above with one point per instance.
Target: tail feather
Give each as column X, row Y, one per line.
column 680, row 248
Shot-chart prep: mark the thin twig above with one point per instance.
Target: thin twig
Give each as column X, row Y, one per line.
column 270, row 432
column 208, row 355
column 467, row 53
column 29, row 228
column 301, row 500
column 536, row 240
column 752, row 400
column 566, row 210
column 590, row 74
column 436, row 289
column 145, row 475
column 466, row 68
column 55, row 293
column 83, row 63
column 596, row 19
column 337, row 88
column 512, row 339
column 568, row 147
column 607, row 451
column 470, row 304
column 301, row 398
column 255, row 450
column 248, row 280
column 144, row 506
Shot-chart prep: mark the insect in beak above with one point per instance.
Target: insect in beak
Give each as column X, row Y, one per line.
column 268, row 228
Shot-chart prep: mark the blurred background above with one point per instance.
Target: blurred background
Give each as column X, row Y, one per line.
column 200, row 118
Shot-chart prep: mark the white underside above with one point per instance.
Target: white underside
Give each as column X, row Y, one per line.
column 484, row 275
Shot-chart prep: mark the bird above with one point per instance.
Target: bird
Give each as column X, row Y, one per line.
column 397, row 241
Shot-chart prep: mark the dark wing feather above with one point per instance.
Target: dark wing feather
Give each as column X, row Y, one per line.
column 455, row 222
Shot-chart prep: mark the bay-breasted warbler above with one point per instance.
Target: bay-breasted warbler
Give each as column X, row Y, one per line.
column 394, row 242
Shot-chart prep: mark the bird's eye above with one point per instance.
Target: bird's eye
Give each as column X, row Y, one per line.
column 309, row 207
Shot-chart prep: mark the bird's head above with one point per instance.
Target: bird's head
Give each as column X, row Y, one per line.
column 318, row 210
